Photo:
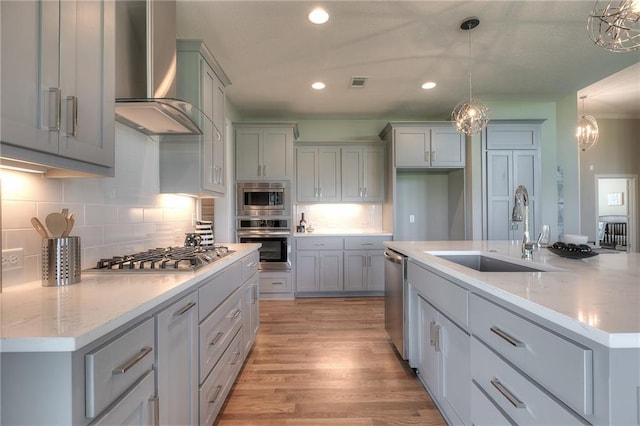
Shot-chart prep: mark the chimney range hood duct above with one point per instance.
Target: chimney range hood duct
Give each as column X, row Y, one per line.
column 146, row 70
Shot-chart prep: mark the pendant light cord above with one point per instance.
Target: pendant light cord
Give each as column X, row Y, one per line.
column 469, row 30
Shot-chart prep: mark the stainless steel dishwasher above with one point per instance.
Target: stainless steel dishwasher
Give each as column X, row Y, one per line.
column 395, row 272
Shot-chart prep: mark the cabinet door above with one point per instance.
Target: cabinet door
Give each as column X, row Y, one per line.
column 219, row 97
column 355, row 270
column 208, row 89
column 87, row 81
column 248, row 164
column 499, row 194
column 447, row 147
column 329, row 174
column 456, row 371
column 373, row 173
column 30, row 79
column 352, row 185
column 412, row 146
column 136, row 408
column 177, row 362
column 330, row 271
column 275, row 154
column 207, row 154
column 376, row 270
column 306, row 174
column 218, row 159
column 429, row 344
column 307, row 270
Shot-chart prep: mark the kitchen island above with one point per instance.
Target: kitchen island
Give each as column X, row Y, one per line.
column 560, row 346
column 96, row 351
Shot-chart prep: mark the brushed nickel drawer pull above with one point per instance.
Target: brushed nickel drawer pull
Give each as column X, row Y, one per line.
column 216, row 395
column 507, row 394
column 432, row 340
column 216, row 339
column 133, row 361
column 512, row 340
column 235, row 313
column 437, row 342
column 185, row 309
column 235, row 358
column 54, row 108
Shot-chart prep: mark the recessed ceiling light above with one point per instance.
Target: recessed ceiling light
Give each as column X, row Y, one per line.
column 428, row 85
column 318, row 85
column 318, row 16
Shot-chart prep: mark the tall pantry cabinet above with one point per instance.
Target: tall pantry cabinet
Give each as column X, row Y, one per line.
column 58, row 84
column 511, row 158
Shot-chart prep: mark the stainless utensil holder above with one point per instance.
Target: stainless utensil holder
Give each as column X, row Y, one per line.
column 61, row 262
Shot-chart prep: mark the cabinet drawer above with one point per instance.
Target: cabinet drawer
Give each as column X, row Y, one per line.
column 522, row 400
column 215, row 389
column 319, row 243
column 445, row 295
column 484, row 411
column 134, row 404
column 560, row 365
column 116, row 366
column 250, row 266
column 276, row 284
column 218, row 289
column 365, row 243
column 217, row 331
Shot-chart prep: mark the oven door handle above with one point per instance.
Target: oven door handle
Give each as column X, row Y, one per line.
column 254, row 234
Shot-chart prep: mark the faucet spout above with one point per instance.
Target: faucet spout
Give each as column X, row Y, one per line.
column 521, row 214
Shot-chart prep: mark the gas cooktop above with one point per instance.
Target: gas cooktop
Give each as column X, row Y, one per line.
column 165, row 259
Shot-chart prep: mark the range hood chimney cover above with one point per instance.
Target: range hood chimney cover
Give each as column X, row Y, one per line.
column 146, row 70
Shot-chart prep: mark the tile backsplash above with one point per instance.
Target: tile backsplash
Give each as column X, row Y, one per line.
column 340, row 218
column 114, row 216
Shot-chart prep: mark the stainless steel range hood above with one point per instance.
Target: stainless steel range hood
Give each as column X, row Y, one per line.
column 146, row 70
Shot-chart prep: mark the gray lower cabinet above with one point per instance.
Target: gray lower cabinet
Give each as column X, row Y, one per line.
column 177, row 361
column 175, row 365
column 319, row 271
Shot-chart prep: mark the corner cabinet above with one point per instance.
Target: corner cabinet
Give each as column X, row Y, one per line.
column 195, row 164
column 425, row 144
column 264, row 151
column 58, row 84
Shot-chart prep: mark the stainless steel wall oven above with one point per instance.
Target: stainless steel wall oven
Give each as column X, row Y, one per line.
column 275, row 236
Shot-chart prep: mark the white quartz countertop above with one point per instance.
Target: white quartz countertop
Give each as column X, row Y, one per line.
column 37, row 319
column 341, row 233
column 597, row 297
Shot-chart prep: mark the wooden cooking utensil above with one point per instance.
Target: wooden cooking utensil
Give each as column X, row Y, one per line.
column 56, row 224
column 37, row 225
column 71, row 220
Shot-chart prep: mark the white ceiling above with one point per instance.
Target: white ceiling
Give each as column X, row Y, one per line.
column 522, row 50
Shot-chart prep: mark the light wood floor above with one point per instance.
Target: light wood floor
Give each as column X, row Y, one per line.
column 326, row 361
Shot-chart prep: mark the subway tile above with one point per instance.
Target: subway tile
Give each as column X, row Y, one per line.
column 18, row 214
column 98, row 214
column 130, row 215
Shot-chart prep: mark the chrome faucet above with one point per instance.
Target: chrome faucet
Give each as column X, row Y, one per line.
column 521, row 198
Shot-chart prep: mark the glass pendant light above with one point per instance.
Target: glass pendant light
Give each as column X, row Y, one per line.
column 586, row 130
column 470, row 116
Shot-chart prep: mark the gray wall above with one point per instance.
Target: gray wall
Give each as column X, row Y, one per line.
column 617, row 152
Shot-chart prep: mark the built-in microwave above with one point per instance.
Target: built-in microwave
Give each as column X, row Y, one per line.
column 263, row 199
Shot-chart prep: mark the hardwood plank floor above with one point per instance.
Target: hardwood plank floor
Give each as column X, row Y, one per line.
column 322, row 361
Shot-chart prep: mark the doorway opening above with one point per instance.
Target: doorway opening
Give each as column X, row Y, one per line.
column 616, row 211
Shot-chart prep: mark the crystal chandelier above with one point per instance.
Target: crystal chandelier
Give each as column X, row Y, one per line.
column 615, row 25
column 470, row 116
column 587, row 130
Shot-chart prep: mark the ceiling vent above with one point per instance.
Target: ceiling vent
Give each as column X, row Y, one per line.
column 358, row 82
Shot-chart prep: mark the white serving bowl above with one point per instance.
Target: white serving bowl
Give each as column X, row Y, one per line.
column 574, row 239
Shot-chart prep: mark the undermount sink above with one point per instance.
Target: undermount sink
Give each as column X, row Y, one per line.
column 488, row 263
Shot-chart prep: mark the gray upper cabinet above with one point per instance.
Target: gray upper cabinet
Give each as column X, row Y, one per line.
column 264, row 151
column 195, row 164
column 318, row 174
column 58, row 84
column 425, row 144
column 363, row 173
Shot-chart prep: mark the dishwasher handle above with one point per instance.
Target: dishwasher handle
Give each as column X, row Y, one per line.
column 394, row 257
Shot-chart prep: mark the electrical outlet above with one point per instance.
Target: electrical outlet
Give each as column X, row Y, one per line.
column 12, row 259
column 412, row 218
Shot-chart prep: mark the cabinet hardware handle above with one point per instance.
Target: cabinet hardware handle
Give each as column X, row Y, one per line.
column 315, row 192
column 54, row 108
column 133, row 361
column 255, row 294
column 507, row 394
column 512, row 340
column 426, row 156
column 235, row 314
column 184, row 309
column 259, row 169
column 437, row 338
column 319, row 244
column 360, row 192
column 321, row 192
column 365, row 192
column 72, row 115
column 235, row 358
column 432, row 326
column 156, row 409
column 252, row 265
column 277, row 283
column 216, row 395
column 216, row 339
column 433, row 156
